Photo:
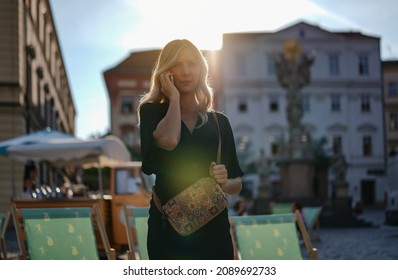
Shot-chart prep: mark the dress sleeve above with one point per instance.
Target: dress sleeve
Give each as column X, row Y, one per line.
column 150, row 116
column 228, row 149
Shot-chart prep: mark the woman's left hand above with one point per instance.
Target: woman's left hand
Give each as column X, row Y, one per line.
column 219, row 173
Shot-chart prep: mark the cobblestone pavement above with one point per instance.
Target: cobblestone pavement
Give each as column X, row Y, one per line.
column 379, row 242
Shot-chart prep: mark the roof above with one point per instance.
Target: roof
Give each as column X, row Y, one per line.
column 253, row 35
column 390, row 63
column 140, row 62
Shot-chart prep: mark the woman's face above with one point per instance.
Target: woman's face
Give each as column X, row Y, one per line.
column 186, row 72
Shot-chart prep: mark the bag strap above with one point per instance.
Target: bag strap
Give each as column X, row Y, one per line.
column 158, row 203
column 219, row 138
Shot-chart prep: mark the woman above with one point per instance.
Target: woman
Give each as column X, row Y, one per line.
column 179, row 140
column 29, row 179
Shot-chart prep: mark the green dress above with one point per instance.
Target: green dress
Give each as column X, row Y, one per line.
column 177, row 169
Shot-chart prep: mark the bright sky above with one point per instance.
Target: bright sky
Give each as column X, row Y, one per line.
column 96, row 35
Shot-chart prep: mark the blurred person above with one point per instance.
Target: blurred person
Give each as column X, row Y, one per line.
column 240, row 207
column 29, row 179
column 179, row 140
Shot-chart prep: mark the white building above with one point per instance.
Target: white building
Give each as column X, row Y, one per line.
column 342, row 103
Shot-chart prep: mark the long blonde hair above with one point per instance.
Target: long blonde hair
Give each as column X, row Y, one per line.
column 166, row 60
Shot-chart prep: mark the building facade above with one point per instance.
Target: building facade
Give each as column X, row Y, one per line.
column 126, row 83
column 34, row 87
column 390, row 80
column 343, row 102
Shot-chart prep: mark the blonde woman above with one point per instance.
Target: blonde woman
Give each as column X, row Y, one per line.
column 179, row 140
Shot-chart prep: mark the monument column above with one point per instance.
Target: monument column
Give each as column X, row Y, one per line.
column 297, row 167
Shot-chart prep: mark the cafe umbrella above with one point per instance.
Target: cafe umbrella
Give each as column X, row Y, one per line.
column 103, row 152
column 41, row 136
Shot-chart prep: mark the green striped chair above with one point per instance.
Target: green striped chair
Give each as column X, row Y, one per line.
column 271, row 237
column 311, row 217
column 136, row 224
column 281, row 207
column 60, row 233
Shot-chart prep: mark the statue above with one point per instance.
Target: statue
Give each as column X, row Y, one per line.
column 340, row 196
column 263, row 169
column 293, row 72
column 339, row 168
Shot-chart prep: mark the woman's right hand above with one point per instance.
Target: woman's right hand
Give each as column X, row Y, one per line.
column 167, row 85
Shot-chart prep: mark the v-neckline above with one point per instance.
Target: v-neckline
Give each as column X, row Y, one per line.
column 188, row 128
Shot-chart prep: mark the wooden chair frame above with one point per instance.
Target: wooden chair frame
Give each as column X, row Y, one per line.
column 312, row 252
column 4, row 220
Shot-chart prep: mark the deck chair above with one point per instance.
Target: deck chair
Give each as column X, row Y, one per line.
column 280, row 207
column 4, row 219
column 272, row 237
column 60, row 233
column 136, row 224
column 311, row 217
column 233, row 236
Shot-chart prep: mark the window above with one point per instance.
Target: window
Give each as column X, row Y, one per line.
column 27, row 3
column 39, row 21
column 367, row 145
column 126, row 104
column 305, row 103
column 392, row 89
column 242, row 105
column 274, row 148
column 335, row 103
column 271, row 64
column 363, row 65
column 337, row 144
column 393, row 121
column 365, row 103
column 334, row 67
column 273, row 103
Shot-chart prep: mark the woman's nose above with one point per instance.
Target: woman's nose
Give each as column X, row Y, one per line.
column 185, row 69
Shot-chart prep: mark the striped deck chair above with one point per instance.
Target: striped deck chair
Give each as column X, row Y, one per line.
column 311, row 217
column 60, row 233
column 281, row 207
column 271, row 237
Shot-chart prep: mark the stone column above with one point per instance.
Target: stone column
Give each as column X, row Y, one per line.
column 297, row 166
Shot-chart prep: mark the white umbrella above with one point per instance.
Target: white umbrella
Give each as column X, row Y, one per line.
column 109, row 151
column 41, row 136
